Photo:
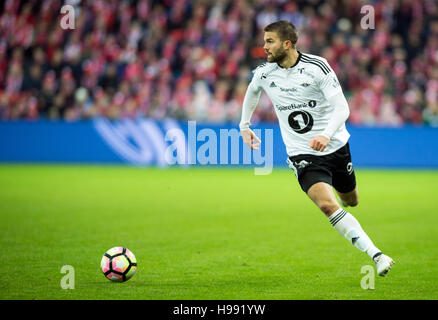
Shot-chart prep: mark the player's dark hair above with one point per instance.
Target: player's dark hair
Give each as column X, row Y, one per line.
column 285, row 30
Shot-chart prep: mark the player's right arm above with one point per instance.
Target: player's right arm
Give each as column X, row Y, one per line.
column 332, row 91
column 252, row 97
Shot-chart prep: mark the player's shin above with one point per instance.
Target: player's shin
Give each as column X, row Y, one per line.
column 349, row 227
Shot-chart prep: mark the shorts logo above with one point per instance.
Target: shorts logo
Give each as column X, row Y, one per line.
column 297, row 165
column 302, row 164
column 350, row 168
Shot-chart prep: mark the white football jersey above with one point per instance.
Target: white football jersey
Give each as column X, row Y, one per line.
column 300, row 97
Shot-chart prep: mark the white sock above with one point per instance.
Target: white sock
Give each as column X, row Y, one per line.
column 349, row 227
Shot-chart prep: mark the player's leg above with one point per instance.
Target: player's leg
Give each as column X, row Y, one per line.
column 316, row 176
column 321, row 193
column 344, row 178
column 344, row 181
column 349, row 199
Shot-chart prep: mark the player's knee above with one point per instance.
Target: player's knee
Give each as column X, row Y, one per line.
column 328, row 207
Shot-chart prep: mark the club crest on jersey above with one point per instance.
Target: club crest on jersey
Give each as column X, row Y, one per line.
column 266, row 73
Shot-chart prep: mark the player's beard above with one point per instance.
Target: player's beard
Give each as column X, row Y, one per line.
column 280, row 56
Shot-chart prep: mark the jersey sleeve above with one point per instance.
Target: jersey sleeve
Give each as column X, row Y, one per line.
column 251, row 100
column 328, row 81
column 256, row 84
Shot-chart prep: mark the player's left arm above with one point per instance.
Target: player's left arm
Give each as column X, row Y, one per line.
column 332, row 91
column 252, row 97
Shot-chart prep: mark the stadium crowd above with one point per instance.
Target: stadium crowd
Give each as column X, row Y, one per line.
column 193, row 59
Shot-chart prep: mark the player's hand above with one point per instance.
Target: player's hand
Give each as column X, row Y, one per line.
column 250, row 139
column 319, row 143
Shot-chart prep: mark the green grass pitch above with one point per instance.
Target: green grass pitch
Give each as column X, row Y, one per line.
column 204, row 233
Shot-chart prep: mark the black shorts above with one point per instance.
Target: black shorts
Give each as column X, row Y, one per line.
column 335, row 169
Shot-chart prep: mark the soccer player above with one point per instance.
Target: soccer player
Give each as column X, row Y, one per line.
column 311, row 110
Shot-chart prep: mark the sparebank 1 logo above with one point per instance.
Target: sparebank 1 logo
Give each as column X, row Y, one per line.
column 147, row 142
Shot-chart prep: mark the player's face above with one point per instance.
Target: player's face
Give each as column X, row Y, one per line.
column 274, row 47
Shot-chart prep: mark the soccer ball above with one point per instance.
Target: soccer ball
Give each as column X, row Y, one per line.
column 118, row 264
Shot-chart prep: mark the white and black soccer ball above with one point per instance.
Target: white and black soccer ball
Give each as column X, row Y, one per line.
column 118, row 264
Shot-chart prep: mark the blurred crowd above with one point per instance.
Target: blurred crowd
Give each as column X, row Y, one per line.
column 193, row 59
